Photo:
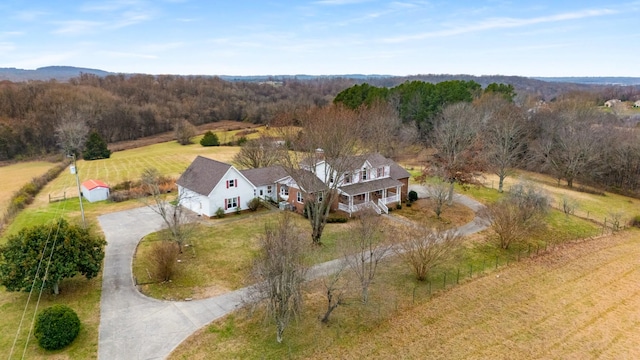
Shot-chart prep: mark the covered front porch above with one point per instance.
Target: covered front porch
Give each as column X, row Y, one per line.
column 374, row 194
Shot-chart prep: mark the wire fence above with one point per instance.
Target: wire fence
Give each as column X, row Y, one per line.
column 440, row 280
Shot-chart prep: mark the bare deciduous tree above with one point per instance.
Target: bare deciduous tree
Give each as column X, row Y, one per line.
column 504, row 138
column 514, row 218
column 569, row 141
column 335, row 290
column 184, row 131
column 366, row 248
column 172, row 213
column 71, row 133
column 423, row 249
column 262, row 152
column 439, row 194
column 280, row 272
column 326, row 136
column 455, row 139
column 383, row 131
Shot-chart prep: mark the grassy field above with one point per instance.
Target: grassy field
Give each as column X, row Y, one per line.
column 170, row 158
column 506, row 313
column 15, row 176
column 80, row 294
column 595, row 207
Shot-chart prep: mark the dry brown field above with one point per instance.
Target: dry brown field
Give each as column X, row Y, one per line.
column 580, row 301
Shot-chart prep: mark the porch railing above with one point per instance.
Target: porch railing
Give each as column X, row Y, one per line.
column 383, row 206
column 391, row 199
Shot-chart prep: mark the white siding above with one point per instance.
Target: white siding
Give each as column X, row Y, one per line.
column 243, row 189
column 96, row 194
column 273, row 195
column 194, row 202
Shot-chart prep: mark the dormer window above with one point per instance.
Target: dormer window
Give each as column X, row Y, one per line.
column 364, row 174
column 380, row 172
column 347, row 178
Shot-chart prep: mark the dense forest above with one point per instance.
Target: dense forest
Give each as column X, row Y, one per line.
column 126, row 108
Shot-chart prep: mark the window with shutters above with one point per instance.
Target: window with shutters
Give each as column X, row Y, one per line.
column 231, row 203
column 232, row 183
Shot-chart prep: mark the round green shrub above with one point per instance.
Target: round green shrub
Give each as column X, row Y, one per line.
column 56, row 327
column 412, row 196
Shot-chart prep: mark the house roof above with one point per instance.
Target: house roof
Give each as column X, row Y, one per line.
column 368, row 186
column 92, row 184
column 265, row 176
column 307, row 181
column 203, row 175
column 398, row 172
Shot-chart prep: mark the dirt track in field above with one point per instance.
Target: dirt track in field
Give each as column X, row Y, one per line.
column 578, row 302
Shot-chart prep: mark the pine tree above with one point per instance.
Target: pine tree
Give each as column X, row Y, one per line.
column 95, row 148
column 210, row 139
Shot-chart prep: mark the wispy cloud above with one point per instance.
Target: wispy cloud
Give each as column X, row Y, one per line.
column 29, row 15
column 502, row 23
column 109, row 6
column 76, row 27
column 123, row 13
column 129, row 18
column 6, row 34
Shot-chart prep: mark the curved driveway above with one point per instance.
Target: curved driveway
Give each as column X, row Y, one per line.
column 133, row 326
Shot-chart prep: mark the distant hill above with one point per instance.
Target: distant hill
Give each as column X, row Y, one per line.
column 546, row 88
column 59, row 73
column 600, row 80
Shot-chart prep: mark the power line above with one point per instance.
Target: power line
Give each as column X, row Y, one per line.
column 58, row 211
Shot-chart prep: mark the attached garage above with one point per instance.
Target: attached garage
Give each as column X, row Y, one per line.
column 94, row 190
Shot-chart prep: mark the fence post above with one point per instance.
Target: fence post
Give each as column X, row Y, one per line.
column 444, row 281
column 470, row 271
column 497, row 262
column 458, row 277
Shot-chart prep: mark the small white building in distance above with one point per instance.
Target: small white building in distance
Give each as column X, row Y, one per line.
column 94, row 190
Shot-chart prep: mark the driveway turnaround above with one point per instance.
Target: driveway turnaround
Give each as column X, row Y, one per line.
column 133, row 326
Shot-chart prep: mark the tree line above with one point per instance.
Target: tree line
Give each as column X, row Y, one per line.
column 119, row 107
column 494, row 129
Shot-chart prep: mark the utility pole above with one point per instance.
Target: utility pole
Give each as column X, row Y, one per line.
column 74, row 170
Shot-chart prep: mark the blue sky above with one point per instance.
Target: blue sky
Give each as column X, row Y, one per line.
column 406, row 37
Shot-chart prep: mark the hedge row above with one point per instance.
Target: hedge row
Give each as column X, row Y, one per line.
column 27, row 193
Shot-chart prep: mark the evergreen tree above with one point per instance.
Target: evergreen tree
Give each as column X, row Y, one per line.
column 95, row 148
column 210, row 139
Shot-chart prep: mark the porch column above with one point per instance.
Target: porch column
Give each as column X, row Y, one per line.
column 398, row 193
column 366, row 197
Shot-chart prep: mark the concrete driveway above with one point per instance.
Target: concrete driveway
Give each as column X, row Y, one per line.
column 133, row 326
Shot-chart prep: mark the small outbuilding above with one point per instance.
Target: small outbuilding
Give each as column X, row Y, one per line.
column 94, row 190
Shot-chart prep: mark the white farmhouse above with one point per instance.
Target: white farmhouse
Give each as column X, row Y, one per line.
column 208, row 185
